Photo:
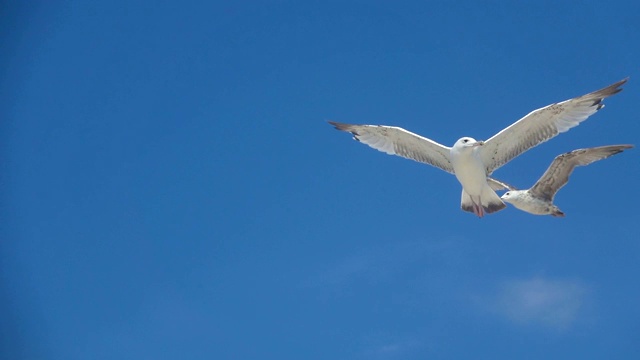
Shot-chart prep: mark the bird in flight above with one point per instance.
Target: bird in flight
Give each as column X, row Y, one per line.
column 472, row 161
column 539, row 199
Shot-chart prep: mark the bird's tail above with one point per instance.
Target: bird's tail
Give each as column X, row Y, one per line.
column 488, row 202
column 556, row 212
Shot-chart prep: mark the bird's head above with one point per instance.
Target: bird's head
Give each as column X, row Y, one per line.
column 510, row 196
column 467, row 143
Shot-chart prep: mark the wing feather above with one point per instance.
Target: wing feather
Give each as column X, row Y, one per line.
column 557, row 175
column 541, row 125
column 397, row 141
column 496, row 184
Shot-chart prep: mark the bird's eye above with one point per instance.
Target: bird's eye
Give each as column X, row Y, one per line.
column 465, row 141
column 507, row 193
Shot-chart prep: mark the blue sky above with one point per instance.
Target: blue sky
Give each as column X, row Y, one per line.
column 171, row 189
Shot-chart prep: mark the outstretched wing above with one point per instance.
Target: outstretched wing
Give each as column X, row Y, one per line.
column 557, row 175
column 499, row 185
column 541, row 125
column 397, row 141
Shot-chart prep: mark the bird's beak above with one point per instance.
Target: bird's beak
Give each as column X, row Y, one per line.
column 478, row 143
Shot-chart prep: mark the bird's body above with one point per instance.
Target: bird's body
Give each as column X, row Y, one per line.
column 477, row 195
column 468, row 168
column 539, row 199
column 473, row 161
column 526, row 201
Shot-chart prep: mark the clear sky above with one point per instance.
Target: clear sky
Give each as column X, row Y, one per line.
column 171, row 189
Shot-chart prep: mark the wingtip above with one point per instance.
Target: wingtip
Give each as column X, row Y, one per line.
column 619, row 83
column 608, row 91
column 345, row 127
column 620, row 148
column 608, row 149
column 616, row 149
column 614, row 88
column 339, row 126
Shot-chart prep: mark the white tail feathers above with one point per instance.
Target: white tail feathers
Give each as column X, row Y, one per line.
column 488, row 202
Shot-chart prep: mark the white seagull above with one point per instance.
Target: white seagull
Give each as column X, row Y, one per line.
column 473, row 161
column 539, row 199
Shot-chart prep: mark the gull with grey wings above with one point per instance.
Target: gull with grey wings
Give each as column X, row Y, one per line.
column 472, row 161
column 539, row 199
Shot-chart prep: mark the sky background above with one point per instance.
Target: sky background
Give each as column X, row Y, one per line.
column 170, row 188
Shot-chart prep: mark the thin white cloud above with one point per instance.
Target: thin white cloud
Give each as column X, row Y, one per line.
column 394, row 347
column 537, row 301
column 390, row 348
column 384, row 263
column 350, row 269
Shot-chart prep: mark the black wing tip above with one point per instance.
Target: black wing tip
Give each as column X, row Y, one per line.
column 607, row 92
column 622, row 81
column 617, row 149
column 613, row 150
column 599, row 95
column 335, row 124
column 610, row 90
column 344, row 127
column 339, row 126
column 617, row 85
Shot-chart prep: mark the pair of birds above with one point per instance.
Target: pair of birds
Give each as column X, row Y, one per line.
column 472, row 161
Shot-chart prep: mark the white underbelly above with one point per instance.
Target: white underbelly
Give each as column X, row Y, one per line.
column 471, row 174
column 532, row 205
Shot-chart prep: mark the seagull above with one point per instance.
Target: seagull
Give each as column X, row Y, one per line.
column 472, row 161
column 539, row 199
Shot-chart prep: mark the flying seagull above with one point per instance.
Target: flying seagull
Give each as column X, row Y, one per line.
column 471, row 161
column 539, row 199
